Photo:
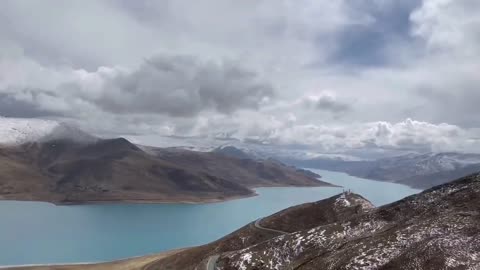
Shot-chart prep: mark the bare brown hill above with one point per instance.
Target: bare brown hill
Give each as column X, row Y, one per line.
column 62, row 171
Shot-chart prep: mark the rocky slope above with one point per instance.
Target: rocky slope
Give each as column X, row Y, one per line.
column 76, row 171
column 437, row 229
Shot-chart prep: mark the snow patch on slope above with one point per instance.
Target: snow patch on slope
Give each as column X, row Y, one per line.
column 15, row 131
column 425, row 164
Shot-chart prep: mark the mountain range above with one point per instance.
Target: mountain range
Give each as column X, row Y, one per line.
column 63, row 165
column 418, row 170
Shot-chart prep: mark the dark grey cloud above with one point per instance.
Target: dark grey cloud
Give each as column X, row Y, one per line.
column 369, row 44
column 457, row 103
column 177, row 86
column 145, row 11
column 10, row 106
column 329, row 103
column 184, row 86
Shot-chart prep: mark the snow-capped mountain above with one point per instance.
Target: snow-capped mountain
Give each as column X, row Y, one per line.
column 14, row 131
column 430, row 163
column 416, row 170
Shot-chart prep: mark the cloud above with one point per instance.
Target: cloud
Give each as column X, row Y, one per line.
column 178, row 86
column 447, row 24
column 13, row 107
column 369, row 44
column 327, row 101
column 84, row 35
column 411, row 134
column 184, row 86
column 247, row 69
column 405, row 135
column 446, row 80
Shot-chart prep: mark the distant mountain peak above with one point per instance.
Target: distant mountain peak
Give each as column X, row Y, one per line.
column 67, row 132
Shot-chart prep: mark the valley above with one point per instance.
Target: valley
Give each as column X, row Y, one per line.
column 436, row 229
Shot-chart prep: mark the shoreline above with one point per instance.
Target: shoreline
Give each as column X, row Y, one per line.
column 139, row 261
column 132, row 201
column 150, row 201
column 166, row 201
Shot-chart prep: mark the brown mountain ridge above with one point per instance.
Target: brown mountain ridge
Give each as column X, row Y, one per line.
column 64, row 171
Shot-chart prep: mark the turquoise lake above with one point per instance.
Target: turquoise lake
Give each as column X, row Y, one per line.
column 42, row 233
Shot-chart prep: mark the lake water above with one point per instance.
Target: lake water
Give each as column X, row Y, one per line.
column 41, row 233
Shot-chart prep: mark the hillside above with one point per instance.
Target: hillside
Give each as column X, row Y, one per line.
column 253, row 173
column 437, row 229
column 232, row 151
column 68, row 171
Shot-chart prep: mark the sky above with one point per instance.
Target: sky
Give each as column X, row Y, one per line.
column 334, row 75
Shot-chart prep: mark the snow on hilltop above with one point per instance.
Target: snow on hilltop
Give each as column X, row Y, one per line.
column 14, row 131
column 424, row 164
